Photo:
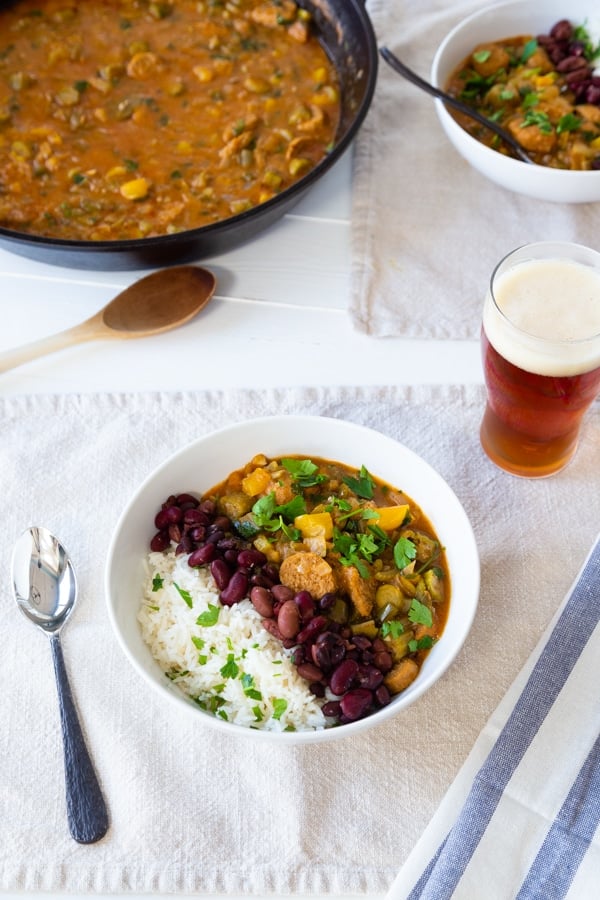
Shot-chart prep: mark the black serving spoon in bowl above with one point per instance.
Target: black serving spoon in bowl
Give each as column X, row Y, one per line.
column 415, row 79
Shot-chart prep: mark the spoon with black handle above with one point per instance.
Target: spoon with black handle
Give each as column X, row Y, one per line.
column 415, row 79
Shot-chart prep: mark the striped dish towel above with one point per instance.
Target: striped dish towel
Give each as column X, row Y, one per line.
column 521, row 819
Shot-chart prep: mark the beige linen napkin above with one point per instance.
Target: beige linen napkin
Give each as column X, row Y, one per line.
column 194, row 810
column 427, row 229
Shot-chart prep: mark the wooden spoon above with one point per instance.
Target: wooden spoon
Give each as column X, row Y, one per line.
column 415, row 79
column 158, row 302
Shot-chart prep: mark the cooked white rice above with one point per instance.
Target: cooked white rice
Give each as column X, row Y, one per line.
column 233, row 668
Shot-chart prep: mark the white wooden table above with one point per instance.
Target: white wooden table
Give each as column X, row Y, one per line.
column 279, row 318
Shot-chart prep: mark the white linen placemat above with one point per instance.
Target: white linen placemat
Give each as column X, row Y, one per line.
column 193, row 810
column 522, row 815
column 427, row 229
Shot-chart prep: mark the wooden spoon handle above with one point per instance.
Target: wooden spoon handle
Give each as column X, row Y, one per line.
column 10, row 359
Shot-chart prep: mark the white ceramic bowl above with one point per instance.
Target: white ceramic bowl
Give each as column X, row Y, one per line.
column 493, row 23
column 209, row 460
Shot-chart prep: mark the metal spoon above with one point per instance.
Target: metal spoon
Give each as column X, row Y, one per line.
column 415, row 79
column 45, row 589
column 158, row 302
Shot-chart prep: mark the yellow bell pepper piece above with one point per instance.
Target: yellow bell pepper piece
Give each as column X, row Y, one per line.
column 391, row 517
column 256, row 482
column 315, row 525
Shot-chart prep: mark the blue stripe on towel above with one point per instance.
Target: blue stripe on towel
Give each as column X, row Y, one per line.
column 573, row 629
column 567, row 841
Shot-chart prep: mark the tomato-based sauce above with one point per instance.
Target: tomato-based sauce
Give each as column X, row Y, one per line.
column 125, row 119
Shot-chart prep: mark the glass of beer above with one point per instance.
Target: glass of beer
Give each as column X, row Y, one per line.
column 541, row 355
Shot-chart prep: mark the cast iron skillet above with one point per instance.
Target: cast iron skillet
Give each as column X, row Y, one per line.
column 347, row 34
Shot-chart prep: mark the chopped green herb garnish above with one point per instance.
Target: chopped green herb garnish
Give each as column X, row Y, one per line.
column 568, row 122
column 404, row 552
column 393, row 628
column 424, row 643
column 209, row 617
column 185, row 595
column 231, row 668
column 420, row 614
column 363, row 486
column 198, row 642
column 279, row 707
column 157, row 583
column 482, row 56
column 304, row 472
column 529, row 49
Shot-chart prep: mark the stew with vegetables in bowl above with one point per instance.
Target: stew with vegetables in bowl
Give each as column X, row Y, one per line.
column 343, row 571
column 544, row 89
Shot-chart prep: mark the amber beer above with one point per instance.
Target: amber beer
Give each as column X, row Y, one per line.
column 541, row 355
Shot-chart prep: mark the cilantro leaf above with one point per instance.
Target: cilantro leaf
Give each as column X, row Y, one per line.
column 420, row 614
column 157, row 583
column 568, row 122
column 304, row 472
column 393, row 628
column 404, row 552
column 270, row 516
column 231, row 668
column 528, row 50
column 209, row 617
column 482, row 56
column 362, row 486
column 185, row 595
column 424, row 643
column 279, row 707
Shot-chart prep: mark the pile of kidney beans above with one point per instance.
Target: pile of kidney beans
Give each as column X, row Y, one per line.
column 567, row 54
column 343, row 669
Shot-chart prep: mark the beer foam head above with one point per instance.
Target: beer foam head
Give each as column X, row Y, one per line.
column 543, row 315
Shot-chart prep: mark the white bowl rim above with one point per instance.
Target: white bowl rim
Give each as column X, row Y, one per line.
column 421, row 684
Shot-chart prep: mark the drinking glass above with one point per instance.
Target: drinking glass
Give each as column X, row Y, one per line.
column 541, row 355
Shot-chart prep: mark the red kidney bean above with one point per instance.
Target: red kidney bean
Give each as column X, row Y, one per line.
column 562, row 30
column 368, row 677
column 221, row 523
column 288, row 619
column 271, row 626
column 328, row 650
column 186, row 499
column 197, row 533
column 312, row 629
column 342, row 676
column 309, row 671
column 383, row 660
column 160, row 542
column 355, row 704
column 305, row 604
column 221, row 572
column 213, row 537
column 317, row 689
column 382, row 695
column 272, row 572
column 251, row 558
column 327, row 601
column 186, row 545
column 202, row 555
column 208, row 506
column 195, row 516
column 231, row 556
column 257, row 578
column 235, row 590
column 168, row 516
column 331, row 709
column 175, row 533
column 361, row 641
column 571, row 63
column 262, row 601
column 281, row 592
